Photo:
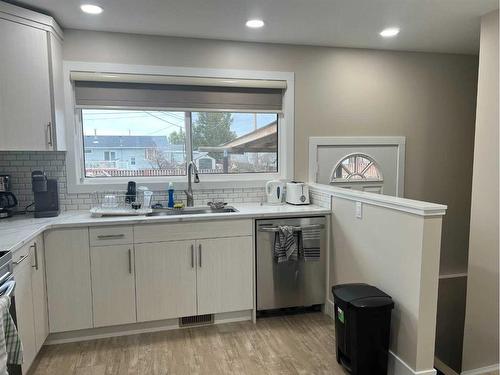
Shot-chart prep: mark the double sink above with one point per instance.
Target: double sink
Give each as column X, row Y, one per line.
column 191, row 211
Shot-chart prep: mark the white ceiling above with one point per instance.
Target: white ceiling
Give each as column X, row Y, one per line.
column 426, row 25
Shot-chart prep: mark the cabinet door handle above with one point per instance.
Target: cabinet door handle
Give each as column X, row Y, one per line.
column 5, row 277
column 49, row 134
column 18, row 262
column 192, row 256
column 130, row 261
column 199, row 254
column 110, row 236
column 35, row 248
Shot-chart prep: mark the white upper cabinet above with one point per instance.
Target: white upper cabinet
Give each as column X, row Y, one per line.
column 57, row 93
column 31, row 93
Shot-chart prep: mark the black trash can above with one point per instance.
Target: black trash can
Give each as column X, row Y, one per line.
column 362, row 326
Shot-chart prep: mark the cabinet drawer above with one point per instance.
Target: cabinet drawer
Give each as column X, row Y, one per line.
column 104, row 236
column 192, row 230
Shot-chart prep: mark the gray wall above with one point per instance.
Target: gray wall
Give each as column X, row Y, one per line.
column 429, row 98
column 481, row 320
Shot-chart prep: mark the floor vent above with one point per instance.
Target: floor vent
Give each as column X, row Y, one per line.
column 196, row 320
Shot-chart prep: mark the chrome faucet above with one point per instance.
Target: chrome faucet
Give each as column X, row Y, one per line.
column 189, row 192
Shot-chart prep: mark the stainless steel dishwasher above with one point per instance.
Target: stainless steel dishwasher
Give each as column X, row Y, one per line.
column 292, row 283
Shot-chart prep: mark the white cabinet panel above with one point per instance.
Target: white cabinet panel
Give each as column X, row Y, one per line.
column 24, row 309
column 68, row 279
column 165, row 280
column 38, row 286
column 224, row 276
column 113, row 285
column 57, row 90
column 25, row 104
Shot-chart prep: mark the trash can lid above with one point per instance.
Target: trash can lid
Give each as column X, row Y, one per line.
column 374, row 302
column 362, row 295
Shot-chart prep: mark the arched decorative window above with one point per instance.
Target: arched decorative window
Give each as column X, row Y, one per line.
column 356, row 167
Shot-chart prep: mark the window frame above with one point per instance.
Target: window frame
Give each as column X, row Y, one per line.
column 78, row 183
column 339, row 164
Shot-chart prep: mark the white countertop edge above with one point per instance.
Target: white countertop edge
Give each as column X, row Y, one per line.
column 395, row 203
column 29, row 228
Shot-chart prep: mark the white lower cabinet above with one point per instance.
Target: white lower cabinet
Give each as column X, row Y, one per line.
column 38, row 286
column 184, row 278
column 68, row 279
column 113, row 284
column 24, row 305
column 224, row 276
column 30, row 299
column 165, row 280
column 106, row 276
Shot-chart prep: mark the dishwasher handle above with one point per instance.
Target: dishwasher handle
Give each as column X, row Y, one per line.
column 295, row 229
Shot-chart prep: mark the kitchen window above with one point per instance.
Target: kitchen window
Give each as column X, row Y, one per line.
column 148, row 127
column 235, row 142
column 156, row 143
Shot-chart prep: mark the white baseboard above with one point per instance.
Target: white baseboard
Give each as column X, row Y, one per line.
column 399, row 367
column 443, row 367
column 137, row 328
column 329, row 309
column 482, row 370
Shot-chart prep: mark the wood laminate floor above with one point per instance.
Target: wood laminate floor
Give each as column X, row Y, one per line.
column 296, row 344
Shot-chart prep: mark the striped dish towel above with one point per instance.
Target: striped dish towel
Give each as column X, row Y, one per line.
column 285, row 244
column 310, row 244
column 10, row 343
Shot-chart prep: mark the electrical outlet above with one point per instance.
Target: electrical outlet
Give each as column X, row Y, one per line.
column 359, row 210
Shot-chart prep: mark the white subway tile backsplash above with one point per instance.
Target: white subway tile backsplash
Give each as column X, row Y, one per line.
column 319, row 198
column 20, row 164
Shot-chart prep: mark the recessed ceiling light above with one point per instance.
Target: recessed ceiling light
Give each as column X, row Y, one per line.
column 389, row 32
column 91, row 9
column 255, row 23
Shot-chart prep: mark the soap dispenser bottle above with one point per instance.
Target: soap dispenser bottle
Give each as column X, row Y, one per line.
column 170, row 195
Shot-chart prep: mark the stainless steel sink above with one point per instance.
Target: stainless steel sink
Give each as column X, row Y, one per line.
column 191, row 211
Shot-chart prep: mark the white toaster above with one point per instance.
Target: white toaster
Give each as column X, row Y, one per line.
column 297, row 193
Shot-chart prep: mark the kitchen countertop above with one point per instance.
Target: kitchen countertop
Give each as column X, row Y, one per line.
column 18, row 230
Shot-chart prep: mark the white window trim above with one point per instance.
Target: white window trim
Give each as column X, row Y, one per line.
column 76, row 183
column 400, row 142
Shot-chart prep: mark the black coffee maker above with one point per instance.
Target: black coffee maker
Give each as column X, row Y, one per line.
column 8, row 201
column 46, row 194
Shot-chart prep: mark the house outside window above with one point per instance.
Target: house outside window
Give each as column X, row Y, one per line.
column 109, row 155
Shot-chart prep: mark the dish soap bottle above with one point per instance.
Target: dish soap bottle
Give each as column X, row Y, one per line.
column 170, row 195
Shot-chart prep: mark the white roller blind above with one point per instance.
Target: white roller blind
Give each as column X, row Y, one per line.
column 148, row 91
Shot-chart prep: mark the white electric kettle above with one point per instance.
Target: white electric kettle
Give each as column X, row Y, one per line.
column 275, row 192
